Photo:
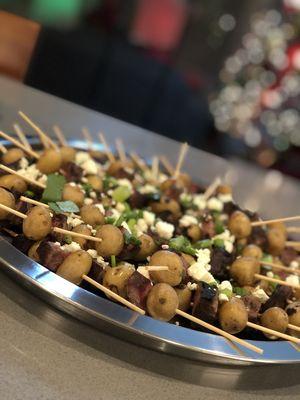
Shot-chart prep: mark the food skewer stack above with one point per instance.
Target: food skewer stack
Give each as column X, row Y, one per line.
column 155, row 242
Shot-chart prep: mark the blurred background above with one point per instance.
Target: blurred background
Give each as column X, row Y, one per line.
column 223, row 75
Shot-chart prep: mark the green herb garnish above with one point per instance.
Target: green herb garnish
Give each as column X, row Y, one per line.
column 29, row 193
column 109, row 182
column 203, row 244
column 88, row 188
column 219, row 227
column 54, row 188
column 68, row 239
column 110, row 220
column 219, row 243
column 240, row 291
column 121, row 193
column 63, row 206
column 181, row 244
column 113, row 261
column 129, row 238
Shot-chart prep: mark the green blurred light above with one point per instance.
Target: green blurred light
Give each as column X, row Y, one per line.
column 55, row 11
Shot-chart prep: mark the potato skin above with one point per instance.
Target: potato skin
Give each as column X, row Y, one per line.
column 67, row 154
column 275, row 318
column 252, row 251
column 147, row 247
column 293, row 312
column 276, row 240
column 243, row 270
column 73, row 193
column 233, row 315
column 12, row 155
column 184, row 296
column 239, row 225
column 50, row 161
column 32, row 252
column 162, row 302
column 116, row 278
column 166, row 204
column 13, row 182
column 96, row 182
column 82, row 228
column 112, row 240
column 176, row 271
column 74, row 266
column 91, row 215
column 38, row 223
column 7, row 199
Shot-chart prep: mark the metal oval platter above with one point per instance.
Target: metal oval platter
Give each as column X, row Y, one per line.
column 105, row 314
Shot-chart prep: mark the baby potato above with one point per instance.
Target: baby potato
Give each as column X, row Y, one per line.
column 224, row 189
column 233, row 315
column 91, row 215
column 147, row 247
column 50, row 161
column 162, row 302
column 7, row 199
column 276, row 240
column 38, row 223
column 184, row 296
column 166, row 204
column 73, row 193
column 275, row 318
column 32, row 252
column 67, row 154
column 74, row 266
column 13, row 182
column 252, row 251
column 194, row 232
column 116, row 278
column 96, row 182
column 172, row 260
column 115, row 166
column 83, row 229
column 12, row 155
column 293, row 312
column 112, row 240
column 243, row 270
column 239, row 225
column 188, row 259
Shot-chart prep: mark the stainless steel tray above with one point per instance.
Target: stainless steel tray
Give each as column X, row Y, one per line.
column 102, row 313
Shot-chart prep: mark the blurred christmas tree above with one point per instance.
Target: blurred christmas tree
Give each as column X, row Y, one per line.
column 259, row 100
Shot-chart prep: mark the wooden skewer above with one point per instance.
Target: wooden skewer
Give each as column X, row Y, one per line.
column 113, row 295
column 273, row 333
column 76, row 234
column 121, row 150
column 46, row 140
column 20, row 145
column 280, row 267
column 156, row 267
column 274, row 280
column 154, row 168
column 293, row 229
column 13, row 172
column 219, row 331
column 88, row 137
column 292, row 243
column 12, row 211
column 139, row 161
column 294, row 327
column 183, row 314
column 107, row 150
column 182, row 154
column 34, row 202
column 22, row 136
column 60, row 136
column 168, row 166
column 272, row 221
column 3, row 149
column 212, row 188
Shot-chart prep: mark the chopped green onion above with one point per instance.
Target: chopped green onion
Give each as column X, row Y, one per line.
column 110, row 220
column 202, row 244
column 113, row 261
column 121, row 193
column 219, row 243
column 131, row 239
column 181, row 244
column 219, row 227
column 54, row 188
column 29, row 193
column 120, row 220
column 88, row 188
column 240, row 291
column 68, row 239
column 131, row 224
column 109, row 182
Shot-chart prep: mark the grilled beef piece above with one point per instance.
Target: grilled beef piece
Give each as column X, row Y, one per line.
column 258, row 236
column 58, row 221
column 72, row 172
column 230, row 207
column 51, row 255
column 138, row 288
column 138, row 200
column 220, row 260
column 22, row 207
column 173, row 192
column 22, row 243
column 253, row 306
column 278, row 298
column 208, row 227
column 288, row 255
column 206, row 302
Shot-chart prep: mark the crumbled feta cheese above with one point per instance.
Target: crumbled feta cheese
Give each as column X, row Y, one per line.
column 90, row 167
column 73, row 246
column 73, row 220
column 192, row 286
column 120, row 207
column 141, row 225
column 32, row 172
column 93, row 253
column 270, row 274
column 228, row 240
column 185, row 197
column 161, row 177
column 93, row 195
column 73, row 184
column 292, row 279
column 114, row 213
column 223, row 297
column 260, row 294
column 100, row 208
column 225, row 285
column 149, row 217
column 84, row 179
column 199, row 273
column 125, row 225
column 146, row 189
column 165, row 246
column 164, row 229
column 294, row 264
column 187, row 220
column 23, row 163
column 177, row 323
column 125, row 182
column 143, row 271
column 88, row 201
column 199, row 201
column 215, row 204
column 225, row 198
column 203, row 258
column 81, row 157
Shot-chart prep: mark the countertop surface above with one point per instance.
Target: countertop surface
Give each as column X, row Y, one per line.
column 45, row 354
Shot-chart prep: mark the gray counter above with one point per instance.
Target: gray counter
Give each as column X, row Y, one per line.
column 47, row 355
